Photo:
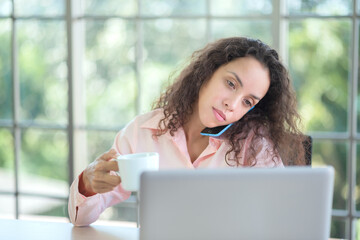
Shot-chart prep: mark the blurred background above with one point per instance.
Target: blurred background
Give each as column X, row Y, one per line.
column 73, row 73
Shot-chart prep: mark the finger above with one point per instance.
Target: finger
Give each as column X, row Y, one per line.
column 101, row 185
column 102, row 188
column 105, row 190
column 108, row 155
column 112, row 180
column 107, row 166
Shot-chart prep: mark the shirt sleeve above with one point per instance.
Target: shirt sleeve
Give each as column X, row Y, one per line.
column 86, row 210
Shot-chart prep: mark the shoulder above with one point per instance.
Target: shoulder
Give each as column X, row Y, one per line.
column 137, row 132
column 260, row 139
column 266, row 155
column 257, row 135
column 147, row 120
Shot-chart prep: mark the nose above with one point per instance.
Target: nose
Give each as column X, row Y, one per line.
column 232, row 103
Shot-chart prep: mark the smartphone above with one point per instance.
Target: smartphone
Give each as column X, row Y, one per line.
column 217, row 131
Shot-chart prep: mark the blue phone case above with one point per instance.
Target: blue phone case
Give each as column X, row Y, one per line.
column 216, row 134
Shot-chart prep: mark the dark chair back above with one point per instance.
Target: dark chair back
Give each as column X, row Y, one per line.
column 307, row 143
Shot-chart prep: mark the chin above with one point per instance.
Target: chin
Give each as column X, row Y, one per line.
column 216, row 125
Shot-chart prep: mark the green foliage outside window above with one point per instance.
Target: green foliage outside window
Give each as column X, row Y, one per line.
column 319, row 56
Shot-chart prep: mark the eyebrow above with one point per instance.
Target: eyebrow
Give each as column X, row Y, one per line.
column 241, row 84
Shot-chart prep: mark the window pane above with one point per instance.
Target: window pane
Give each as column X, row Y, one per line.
column 260, row 29
column 98, row 143
column 37, row 206
column 338, row 229
column 7, row 206
column 90, row 144
column 320, row 70
column 357, row 229
column 124, row 211
column 5, row 8
column 109, row 72
column 358, row 96
column 43, row 163
column 43, row 71
column 357, row 179
column 6, row 161
column 5, row 71
column 173, row 7
column 325, row 7
column 111, row 7
column 40, row 7
column 334, row 154
column 168, row 44
column 240, row 7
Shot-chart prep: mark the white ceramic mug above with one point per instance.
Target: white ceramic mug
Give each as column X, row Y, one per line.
column 132, row 165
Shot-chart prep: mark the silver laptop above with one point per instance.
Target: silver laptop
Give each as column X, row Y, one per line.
column 288, row 203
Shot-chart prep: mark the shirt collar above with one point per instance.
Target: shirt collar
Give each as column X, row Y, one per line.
column 215, row 142
column 153, row 123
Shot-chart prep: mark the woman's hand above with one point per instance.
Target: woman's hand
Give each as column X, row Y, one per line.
column 96, row 177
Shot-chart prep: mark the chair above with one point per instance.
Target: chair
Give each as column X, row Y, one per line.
column 307, row 143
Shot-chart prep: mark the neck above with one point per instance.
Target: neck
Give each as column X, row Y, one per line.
column 193, row 127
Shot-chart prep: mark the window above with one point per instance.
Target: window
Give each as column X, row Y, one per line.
column 115, row 57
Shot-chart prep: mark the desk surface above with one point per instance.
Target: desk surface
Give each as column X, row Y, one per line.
column 36, row 230
column 33, row 230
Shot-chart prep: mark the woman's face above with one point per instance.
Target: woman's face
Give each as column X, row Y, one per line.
column 232, row 91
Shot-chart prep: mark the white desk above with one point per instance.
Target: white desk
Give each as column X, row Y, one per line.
column 33, row 230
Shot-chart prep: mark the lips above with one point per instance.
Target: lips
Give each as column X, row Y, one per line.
column 219, row 115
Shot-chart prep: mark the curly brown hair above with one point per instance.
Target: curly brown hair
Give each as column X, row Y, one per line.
column 275, row 117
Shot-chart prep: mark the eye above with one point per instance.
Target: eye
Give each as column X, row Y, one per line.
column 247, row 103
column 230, row 84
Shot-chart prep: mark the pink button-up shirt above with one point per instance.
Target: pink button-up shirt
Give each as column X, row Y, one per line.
column 137, row 137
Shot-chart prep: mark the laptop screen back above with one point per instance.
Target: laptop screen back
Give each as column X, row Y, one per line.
column 287, row 203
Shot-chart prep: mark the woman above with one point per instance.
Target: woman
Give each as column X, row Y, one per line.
column 222, row 83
